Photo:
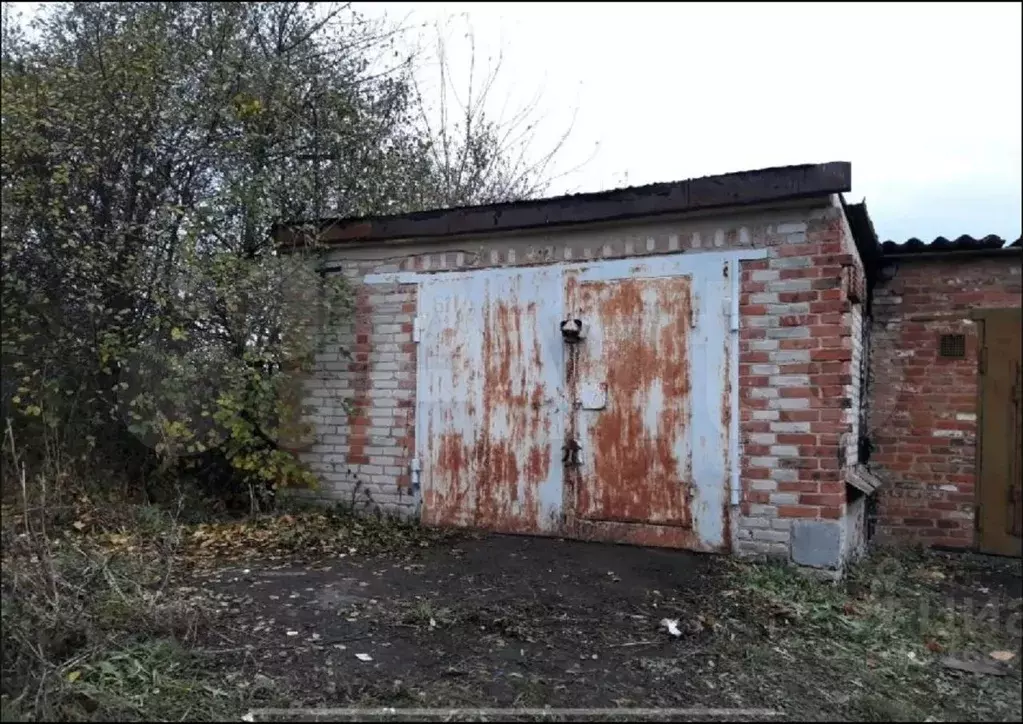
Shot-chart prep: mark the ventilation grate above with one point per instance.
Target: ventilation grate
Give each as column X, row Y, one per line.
column 953, row 346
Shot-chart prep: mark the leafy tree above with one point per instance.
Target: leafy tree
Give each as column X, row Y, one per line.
column 148, row 148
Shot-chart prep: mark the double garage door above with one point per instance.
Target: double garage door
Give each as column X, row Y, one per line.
column 588, row 401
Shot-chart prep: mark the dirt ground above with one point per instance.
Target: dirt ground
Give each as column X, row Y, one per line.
column 517, row 622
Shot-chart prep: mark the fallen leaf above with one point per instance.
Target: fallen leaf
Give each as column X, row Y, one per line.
column 364, row 657
column 934, row 646
column 1002, row 655
column 73, row 675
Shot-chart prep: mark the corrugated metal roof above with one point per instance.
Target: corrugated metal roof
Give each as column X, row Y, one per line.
column 942, row 245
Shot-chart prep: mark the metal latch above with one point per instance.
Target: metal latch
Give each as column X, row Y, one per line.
column 570, row 453
column 572, row 330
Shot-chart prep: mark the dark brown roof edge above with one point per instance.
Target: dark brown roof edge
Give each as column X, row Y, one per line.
column 867, row 243
column 864, row 234
column 726, row 190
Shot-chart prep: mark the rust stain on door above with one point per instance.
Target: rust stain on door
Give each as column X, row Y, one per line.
column 637, row 453
column 598, row 435
column 492, row 466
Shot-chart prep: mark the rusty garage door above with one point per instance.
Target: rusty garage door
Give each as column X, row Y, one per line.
column 590, row 401
column 488, row 400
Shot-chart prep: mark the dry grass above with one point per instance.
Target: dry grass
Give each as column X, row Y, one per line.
column 883, row 634
column 93, row 630
column 95, row 622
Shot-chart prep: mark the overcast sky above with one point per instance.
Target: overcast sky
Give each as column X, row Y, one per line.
column 923, row 99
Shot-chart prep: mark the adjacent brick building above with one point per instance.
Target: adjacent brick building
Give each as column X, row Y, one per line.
column 691, row 364
column 925, row 406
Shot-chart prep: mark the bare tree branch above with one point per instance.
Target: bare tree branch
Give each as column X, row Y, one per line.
column 482, row 156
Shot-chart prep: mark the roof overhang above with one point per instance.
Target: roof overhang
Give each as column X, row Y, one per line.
column 747, row 188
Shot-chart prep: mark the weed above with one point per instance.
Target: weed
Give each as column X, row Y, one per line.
column 884, row 628
column 426, row 613
column 876, row 707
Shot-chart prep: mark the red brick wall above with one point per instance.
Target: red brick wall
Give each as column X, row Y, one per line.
column 796, row 378
column 923, row 407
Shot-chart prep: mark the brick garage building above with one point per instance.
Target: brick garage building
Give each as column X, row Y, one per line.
column 944, row 411
column 680, row 364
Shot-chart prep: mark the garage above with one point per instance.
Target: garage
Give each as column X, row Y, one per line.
column 589, row 400
column 674, row 365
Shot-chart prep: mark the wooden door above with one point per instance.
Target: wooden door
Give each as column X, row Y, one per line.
column 999, row 493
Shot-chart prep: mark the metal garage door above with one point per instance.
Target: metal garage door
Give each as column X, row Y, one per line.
column 621, row 435
column 489, row 406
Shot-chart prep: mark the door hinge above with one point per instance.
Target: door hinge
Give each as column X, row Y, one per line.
column 416, row 329
column 1015, row 526
column 976, row 518
column 982, row 361
column 731, row 314
column 415, row 468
